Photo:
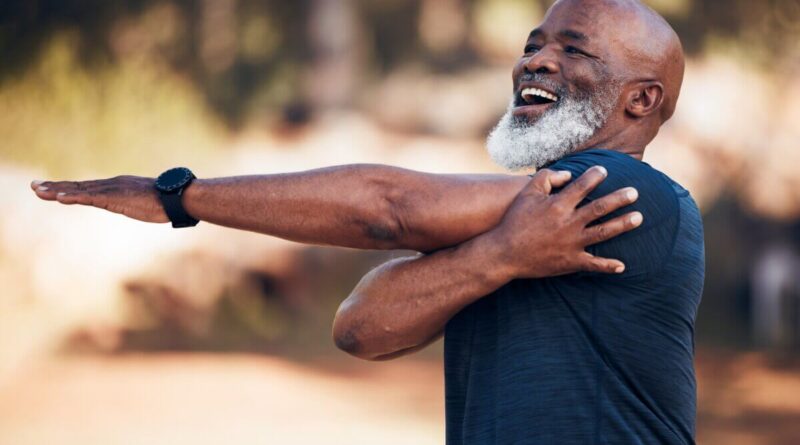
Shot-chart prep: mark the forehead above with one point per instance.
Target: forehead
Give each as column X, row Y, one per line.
column 580, row 20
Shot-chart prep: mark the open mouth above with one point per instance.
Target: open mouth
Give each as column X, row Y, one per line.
column 535, row 96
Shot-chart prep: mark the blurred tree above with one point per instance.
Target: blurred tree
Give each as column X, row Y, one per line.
column 232, row 49
column 244, row 55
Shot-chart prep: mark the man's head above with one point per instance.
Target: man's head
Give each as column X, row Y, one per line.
column 595, row 73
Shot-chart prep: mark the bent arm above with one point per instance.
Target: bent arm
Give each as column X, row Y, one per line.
column 404, row 304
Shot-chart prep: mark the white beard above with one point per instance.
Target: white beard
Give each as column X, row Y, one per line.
column 565, row 127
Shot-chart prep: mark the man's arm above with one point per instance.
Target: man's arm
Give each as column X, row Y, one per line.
column 362, row 206
column 404, row 304
column 400, row 306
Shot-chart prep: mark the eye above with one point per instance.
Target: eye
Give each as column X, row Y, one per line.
column 530, row 49
column 572, row 50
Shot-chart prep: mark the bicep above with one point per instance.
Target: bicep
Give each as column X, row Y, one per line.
column 434, row 211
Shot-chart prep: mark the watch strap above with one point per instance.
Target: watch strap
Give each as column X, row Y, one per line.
column 173, row 206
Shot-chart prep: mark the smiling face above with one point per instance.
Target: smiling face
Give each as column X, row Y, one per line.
column 564, row 57
column 580, row 81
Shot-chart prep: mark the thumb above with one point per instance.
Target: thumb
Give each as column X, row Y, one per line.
column 545, row 180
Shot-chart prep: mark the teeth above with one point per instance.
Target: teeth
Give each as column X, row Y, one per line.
column 537, row 92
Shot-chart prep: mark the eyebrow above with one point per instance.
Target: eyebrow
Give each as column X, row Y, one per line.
column 574, row 35
column 567, row 33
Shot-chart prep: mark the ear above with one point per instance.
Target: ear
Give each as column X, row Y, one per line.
column 644, row 98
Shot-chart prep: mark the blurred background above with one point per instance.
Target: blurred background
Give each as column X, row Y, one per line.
column 117, row 332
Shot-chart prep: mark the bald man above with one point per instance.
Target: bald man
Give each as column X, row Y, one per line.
column 583, row 358
column 567, row 306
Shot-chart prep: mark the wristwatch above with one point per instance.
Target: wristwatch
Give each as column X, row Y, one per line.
column 170, row 186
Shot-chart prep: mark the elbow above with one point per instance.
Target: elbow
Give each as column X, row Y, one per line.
column 348, row 341
column 348, row 336
column 385, row 235
column 344, row 337
column 386, row 227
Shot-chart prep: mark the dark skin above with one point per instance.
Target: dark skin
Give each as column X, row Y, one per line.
column 403, row 305
column 581, row 49
column 476, row 227
column 582, row 46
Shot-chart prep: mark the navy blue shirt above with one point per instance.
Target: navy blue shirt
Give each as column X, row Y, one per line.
column 588, row 358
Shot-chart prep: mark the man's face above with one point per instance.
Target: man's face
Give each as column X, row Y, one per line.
column 563, row 91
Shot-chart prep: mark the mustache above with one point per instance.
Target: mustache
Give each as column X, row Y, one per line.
column 545, row 81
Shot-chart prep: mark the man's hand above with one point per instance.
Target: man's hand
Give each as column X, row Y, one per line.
column 132, row 196
column 545, row 234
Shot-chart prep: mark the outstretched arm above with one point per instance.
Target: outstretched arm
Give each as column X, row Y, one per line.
column 362, row 206
column 404, row 304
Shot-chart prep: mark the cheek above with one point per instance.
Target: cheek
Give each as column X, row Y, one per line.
column 583, row 77
column 516, row 72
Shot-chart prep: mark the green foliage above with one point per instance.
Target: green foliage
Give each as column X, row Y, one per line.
column 135, row 116
column 236, row 52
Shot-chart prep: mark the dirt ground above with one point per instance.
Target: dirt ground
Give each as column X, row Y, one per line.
column 220, row 399
column 248, row 399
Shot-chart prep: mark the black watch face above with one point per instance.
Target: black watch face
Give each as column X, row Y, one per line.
column 174, row 179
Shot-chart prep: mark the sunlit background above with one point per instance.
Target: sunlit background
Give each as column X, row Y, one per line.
column 118, row 332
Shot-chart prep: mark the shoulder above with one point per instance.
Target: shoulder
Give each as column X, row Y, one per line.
column 623, row 171
column 622, row 165
column 657, row 196
column 644, row 249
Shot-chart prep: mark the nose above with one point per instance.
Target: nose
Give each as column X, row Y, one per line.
column 543, row 62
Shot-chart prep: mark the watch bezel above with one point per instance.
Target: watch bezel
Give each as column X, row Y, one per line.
column 175, row 185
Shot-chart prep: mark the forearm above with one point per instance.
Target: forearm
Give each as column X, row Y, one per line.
column 405, row 303
column 361, row 206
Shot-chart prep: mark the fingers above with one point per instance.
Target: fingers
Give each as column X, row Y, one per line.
column 50, row 190
column 560, row 178
column 44, row 190
column 610, row 229
column 79, row 197
column 545, row 180
column 591, row 263
column 57, row 185
column 581, row 187
column 607, row 204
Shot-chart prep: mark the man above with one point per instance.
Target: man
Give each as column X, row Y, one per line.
column 549, row 337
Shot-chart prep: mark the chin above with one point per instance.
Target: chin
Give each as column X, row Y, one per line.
column 535, row 135
column 530, row 113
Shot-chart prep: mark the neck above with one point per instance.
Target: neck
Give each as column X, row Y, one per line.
column 635, row 152
column 630, row 141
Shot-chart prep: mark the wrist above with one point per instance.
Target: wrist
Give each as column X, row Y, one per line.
column 494, row 261
column 193, row 196
column 171, row 186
